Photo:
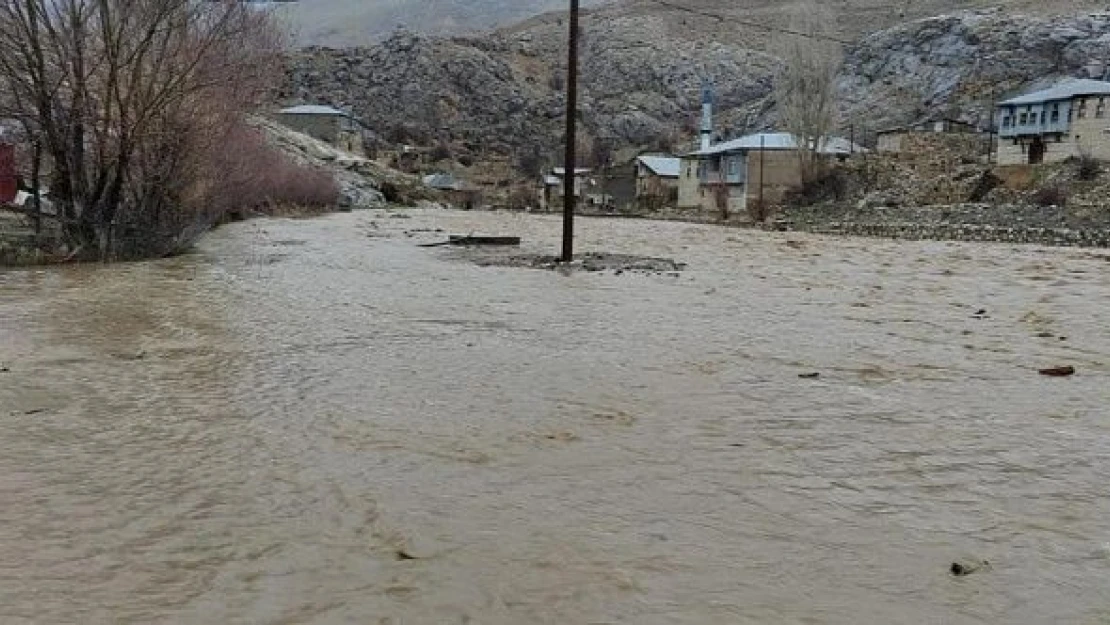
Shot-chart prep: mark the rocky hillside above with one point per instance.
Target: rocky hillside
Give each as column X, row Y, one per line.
column 502, row 94
column 960, row 63
column 360, row 22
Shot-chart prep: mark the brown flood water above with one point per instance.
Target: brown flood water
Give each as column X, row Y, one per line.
column 317, row 422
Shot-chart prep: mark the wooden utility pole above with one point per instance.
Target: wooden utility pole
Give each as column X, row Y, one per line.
column 570, row 169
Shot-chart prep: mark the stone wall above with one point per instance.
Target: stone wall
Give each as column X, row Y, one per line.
column 1056, row 226
column 18, row 243
column 1061, row 237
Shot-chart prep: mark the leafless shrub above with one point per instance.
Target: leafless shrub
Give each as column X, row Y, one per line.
column 1050, row 196
column 806, row 88
column 130, row 99
column 1087, row 168
column 759, row 210
column 522, row 197
column 826, row 184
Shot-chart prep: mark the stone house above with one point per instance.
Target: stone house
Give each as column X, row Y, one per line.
column 551, row 195
column 901, row 138
column 459, row 193
column 738, row 172
column 657, row 176
column 327, row 124
column 1051, row 125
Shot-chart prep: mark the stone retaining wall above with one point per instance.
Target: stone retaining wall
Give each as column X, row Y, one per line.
column 1063, row 237
column 1010, row 223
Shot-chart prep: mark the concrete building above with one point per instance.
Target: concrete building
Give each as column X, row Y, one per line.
column 900, row 139
column 735, row 173
column 1052, row 125
column 325, row 123
column 657, row 176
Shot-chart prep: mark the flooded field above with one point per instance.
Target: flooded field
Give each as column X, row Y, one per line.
column 318, row 422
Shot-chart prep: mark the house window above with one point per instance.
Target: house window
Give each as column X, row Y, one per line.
column 1082, row 114
column 734, row 166
column 1024, row 119
column 1007, row 121
column 1044, row 117
column 1055, row 115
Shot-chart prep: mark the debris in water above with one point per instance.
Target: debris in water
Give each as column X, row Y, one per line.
column 981, row 314
column 809, row 376
column 963, row 569
column 5, row 370
column 469, row 240
column 403, row 554
column 1058, row 372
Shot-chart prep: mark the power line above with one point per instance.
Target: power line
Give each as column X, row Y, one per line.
column 749, row 23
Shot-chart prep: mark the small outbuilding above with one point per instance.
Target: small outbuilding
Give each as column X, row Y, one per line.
column 325, row 123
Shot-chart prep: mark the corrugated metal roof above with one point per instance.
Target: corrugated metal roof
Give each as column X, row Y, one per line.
column 778, row 141
column 313, row 109
column 665, row 166
column 1064, row 90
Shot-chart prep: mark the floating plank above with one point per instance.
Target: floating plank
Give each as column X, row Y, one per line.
column 475, row 240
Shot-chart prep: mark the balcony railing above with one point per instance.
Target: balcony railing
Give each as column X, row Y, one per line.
column 1047, row 128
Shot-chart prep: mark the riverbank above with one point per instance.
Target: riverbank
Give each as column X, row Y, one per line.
column 1009, row 223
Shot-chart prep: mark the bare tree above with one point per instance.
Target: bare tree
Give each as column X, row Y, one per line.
column 128, row 98
column 806, row 89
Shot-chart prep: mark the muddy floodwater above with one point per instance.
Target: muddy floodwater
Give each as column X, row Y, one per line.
column 318, row 422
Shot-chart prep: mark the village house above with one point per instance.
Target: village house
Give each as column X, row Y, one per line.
column 752, row 168
column 458, row 192
column 1055, row 124
column 657, row 176
column 325, row 123
column 551, row 195
column 902, row 138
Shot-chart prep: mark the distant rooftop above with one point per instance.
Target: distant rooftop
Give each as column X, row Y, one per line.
column 778, row 141
column 1064, row 90
column 664, row 166
column 314, row 109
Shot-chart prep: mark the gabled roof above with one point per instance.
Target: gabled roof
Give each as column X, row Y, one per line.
column 777, row 141
column 314, row 109
column 1064, row 90
column 663, row 166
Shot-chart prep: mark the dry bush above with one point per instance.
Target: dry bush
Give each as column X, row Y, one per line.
column 1050, row 196
column 257, row 176
column 1087, row 168
column 760, row 210
column 441, row 152
column 522, row 197
column 824, row 185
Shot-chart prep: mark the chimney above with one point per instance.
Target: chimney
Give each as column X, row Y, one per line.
column 706, row 115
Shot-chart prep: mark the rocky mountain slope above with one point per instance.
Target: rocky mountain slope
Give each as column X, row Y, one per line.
column 361, row 22
column 502, row 93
